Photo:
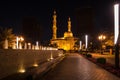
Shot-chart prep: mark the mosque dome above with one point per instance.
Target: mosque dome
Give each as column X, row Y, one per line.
column 68, row 34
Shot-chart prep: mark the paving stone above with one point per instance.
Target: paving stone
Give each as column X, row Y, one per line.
column 76, row 67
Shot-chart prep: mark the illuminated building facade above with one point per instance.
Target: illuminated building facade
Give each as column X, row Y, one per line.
column 68, row 41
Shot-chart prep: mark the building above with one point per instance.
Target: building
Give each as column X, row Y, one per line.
column 67, row 42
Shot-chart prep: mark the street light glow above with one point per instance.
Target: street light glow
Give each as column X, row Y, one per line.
column 101, row 37
column 17, row 42
column 116, row 22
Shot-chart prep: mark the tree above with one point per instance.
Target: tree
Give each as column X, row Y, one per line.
column 110, row 41
column 6, row 33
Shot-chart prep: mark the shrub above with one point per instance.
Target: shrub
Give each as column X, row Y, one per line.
column 88, row 55
column 83, row 53
column 101, row 60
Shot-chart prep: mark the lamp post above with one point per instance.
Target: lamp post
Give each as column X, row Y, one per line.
column 101, row 38
column 86, row 42
column 29, row 45
column 19, row 46
column 80, row 45
column 116, row 34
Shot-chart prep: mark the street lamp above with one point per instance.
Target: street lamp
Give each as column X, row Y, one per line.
column 29, row 45
column 86, row 42
column 116, row 34
column 19, row 46
column 101, row 38
column 21, row 39
column 80, row 45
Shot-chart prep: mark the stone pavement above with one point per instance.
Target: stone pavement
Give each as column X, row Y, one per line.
column 75, row 67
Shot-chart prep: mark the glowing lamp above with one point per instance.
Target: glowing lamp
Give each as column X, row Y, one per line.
column 80, row 45
column 35, row 65
column 21, row 70
column 86, row 41
column 116, row 22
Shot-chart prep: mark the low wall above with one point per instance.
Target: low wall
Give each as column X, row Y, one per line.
column 13, row 61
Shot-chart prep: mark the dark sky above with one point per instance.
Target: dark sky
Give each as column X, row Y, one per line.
column 12, row 14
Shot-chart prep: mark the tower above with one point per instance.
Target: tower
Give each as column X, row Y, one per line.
column 69, row 32
column 54, row 26
column 69, row 25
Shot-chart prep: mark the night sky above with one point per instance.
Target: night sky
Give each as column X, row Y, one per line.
column 12, row 14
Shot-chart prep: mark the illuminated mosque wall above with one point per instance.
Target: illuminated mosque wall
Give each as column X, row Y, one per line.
column 68, row 41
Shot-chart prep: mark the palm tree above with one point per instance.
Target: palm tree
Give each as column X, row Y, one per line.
column 6, row 33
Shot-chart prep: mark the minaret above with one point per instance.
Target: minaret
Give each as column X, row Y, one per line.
column 54, row 26
column 69, row 25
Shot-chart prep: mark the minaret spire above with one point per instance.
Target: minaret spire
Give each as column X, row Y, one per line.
column 54, row 25
column 69, row 25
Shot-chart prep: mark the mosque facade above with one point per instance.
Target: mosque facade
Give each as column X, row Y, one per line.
column 67, row 42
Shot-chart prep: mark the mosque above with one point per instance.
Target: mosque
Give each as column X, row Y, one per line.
column 68, row 41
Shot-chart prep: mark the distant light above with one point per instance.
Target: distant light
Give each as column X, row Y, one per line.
column 21, row 38
column 37, row 44
column 102, row 37
column 22, row 70
column 51, row 56
column 116, row 22
column 35, row 65
column 17, row 42
column 29, row 43
column 80, row 45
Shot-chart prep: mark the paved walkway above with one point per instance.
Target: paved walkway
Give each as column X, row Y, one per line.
column 75, row 67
